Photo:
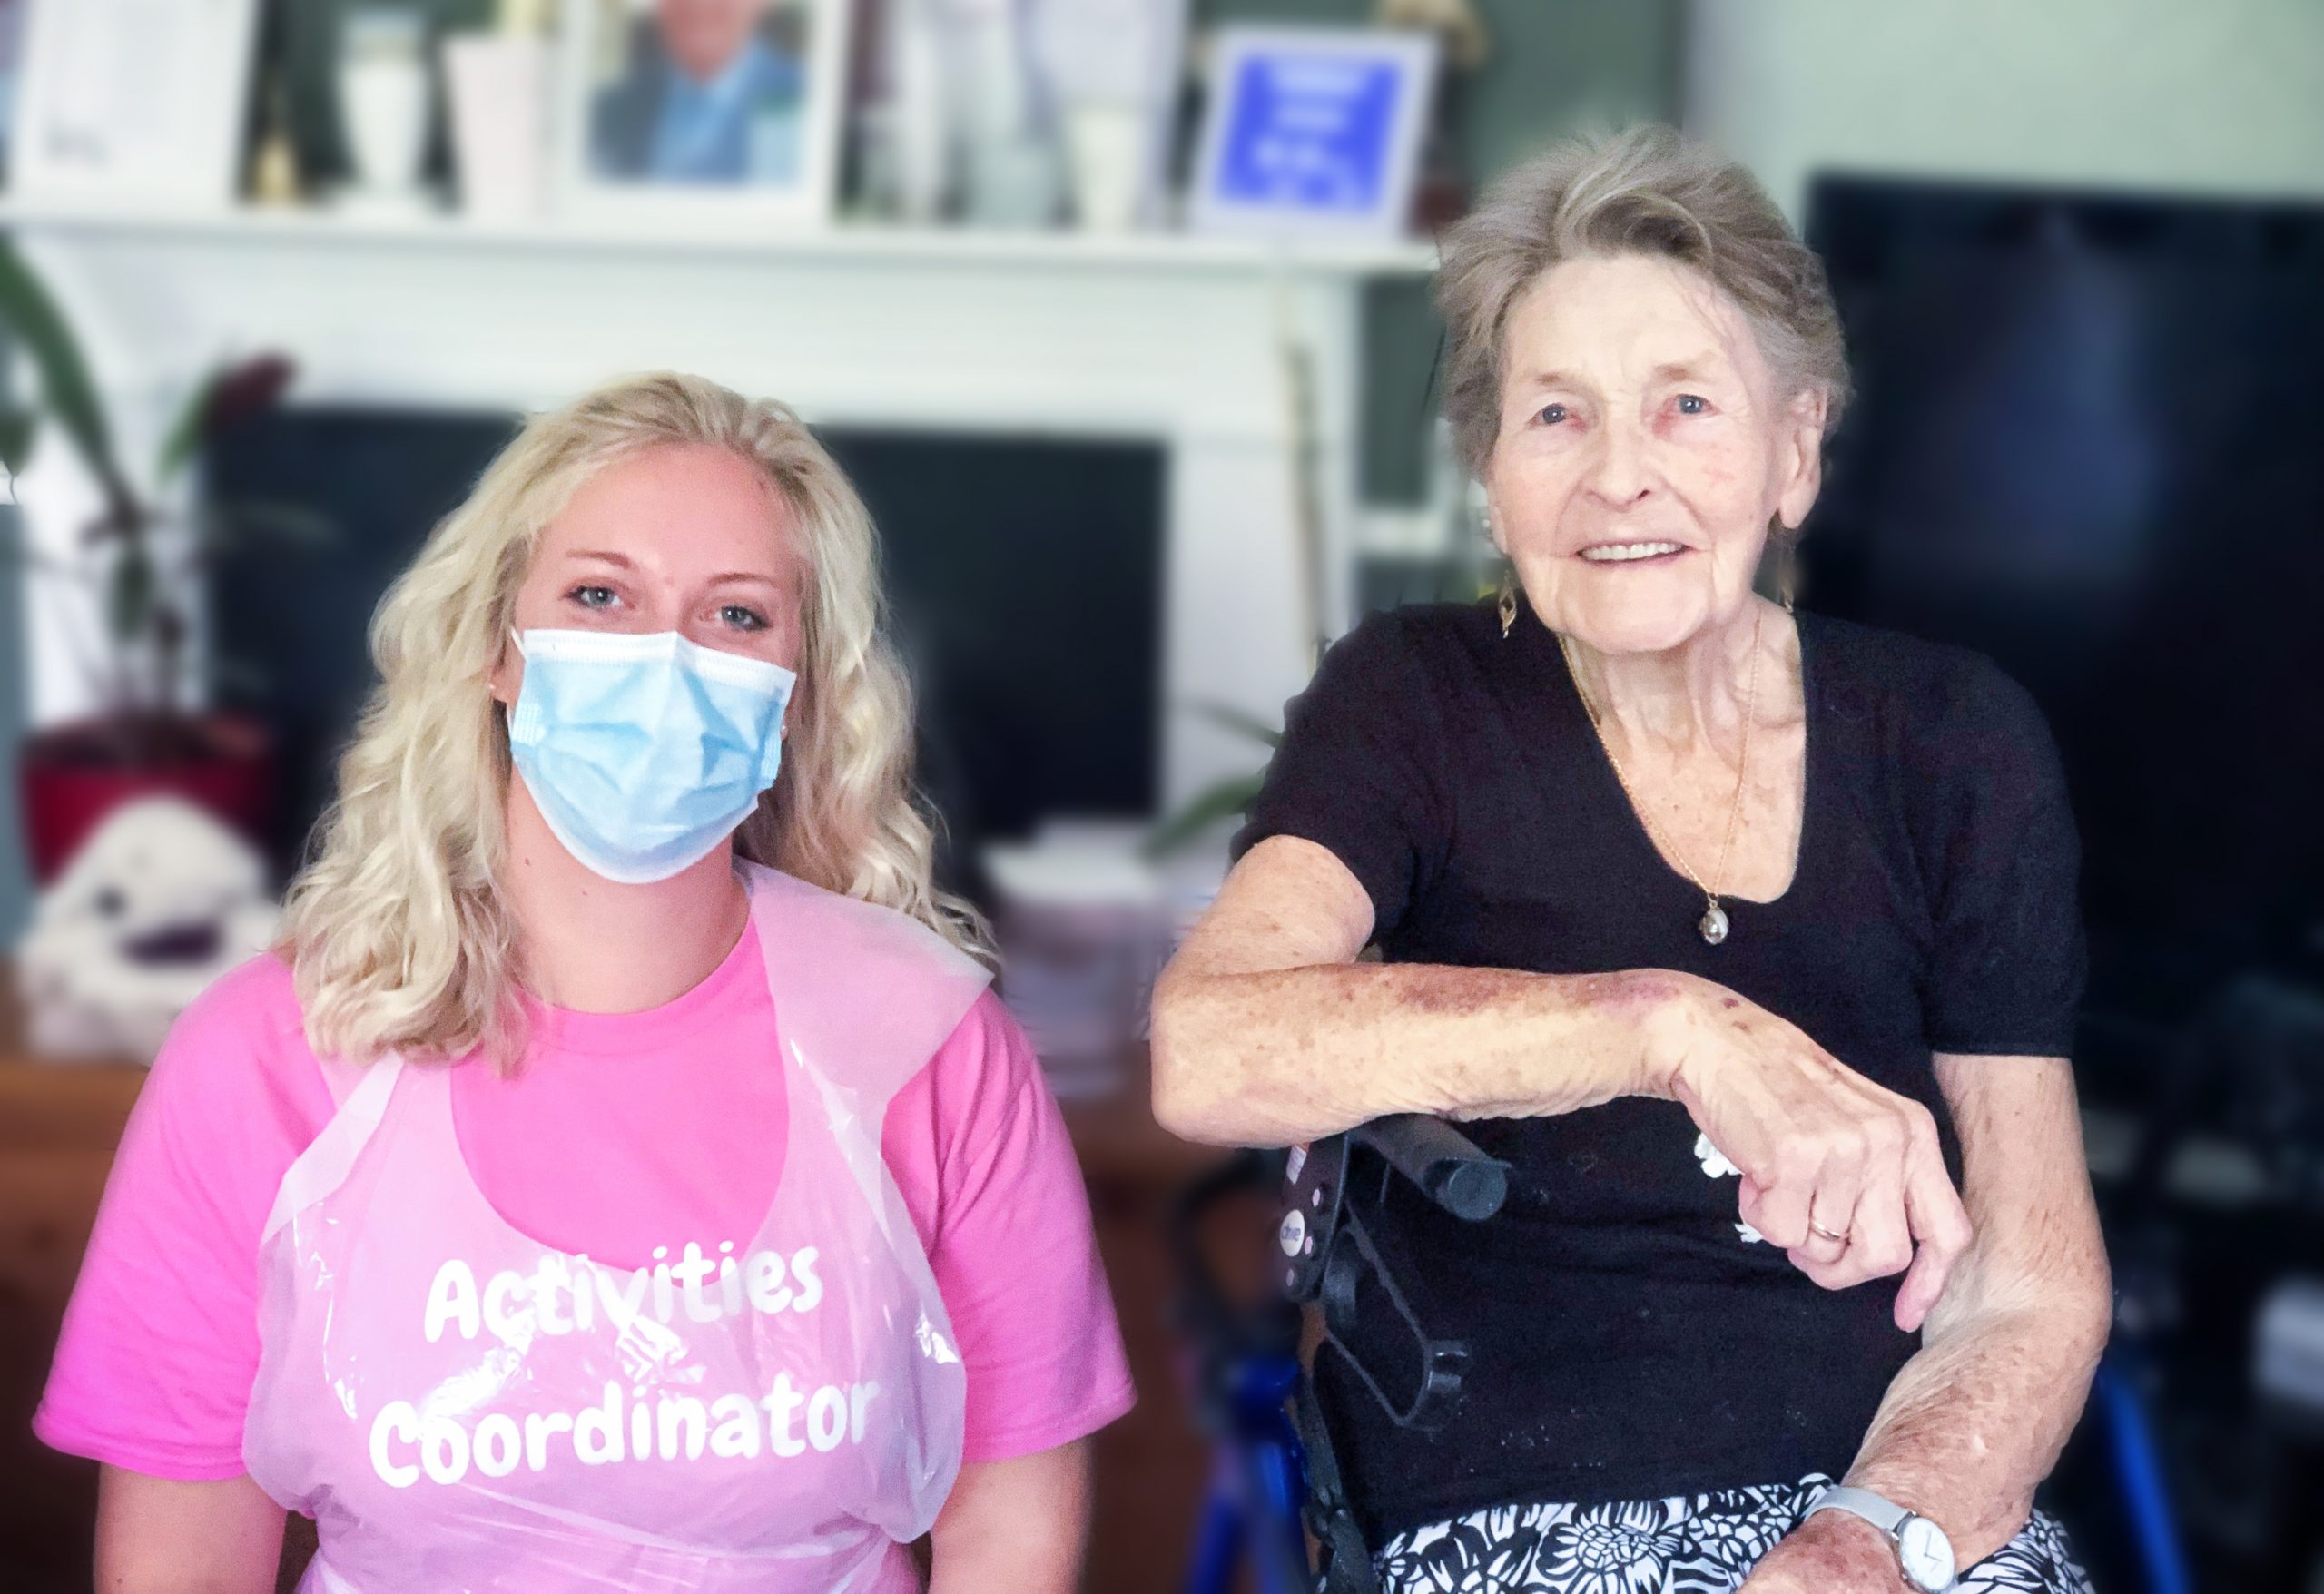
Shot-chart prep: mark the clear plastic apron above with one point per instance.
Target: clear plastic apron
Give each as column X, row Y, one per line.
column 462, row 1407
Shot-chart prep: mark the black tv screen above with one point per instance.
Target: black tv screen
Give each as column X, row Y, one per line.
column 2089, row 440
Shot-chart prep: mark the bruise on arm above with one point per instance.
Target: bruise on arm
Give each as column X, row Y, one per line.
column 1266, row 1029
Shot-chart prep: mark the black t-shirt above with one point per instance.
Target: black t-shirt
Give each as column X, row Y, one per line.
column 1628, row 1340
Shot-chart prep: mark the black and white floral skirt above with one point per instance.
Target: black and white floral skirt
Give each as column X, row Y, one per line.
column 1687, row 1544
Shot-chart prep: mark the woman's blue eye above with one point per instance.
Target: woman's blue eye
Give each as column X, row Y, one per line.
column 592, row 597
column 1693, row 404
column 742, row 619
column 1551, row 413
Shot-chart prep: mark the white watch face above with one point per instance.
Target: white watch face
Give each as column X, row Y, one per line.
column 1926, row 1553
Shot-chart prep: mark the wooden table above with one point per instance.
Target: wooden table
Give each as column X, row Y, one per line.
column 59, row 1127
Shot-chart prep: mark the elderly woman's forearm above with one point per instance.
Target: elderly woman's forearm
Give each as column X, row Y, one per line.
column 1284, row 1055
column 1975, row 1421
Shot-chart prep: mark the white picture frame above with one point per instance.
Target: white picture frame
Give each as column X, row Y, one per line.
column 1312, row 132
column 614, row 151
column 134, row 101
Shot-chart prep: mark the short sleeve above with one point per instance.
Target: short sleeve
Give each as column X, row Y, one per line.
column 1358, row 773
column 160, row 1344
column 2009, row 960
column 1013, row 1249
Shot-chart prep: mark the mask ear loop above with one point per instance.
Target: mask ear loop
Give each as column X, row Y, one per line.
column 491, row 688
column 782, row 737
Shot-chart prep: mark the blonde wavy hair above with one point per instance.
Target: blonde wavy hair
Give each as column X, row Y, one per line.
column 396, row 931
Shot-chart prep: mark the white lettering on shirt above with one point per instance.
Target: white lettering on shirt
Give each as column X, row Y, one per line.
column 509, row 1329
column 811, row 1288
column 452, row 1297
column 624, row 1425
column 399, row 1418
column 634, row 1420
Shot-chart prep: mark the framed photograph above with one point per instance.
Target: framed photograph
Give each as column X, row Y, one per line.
column 715, row 113
column 1314, row 130
column 133, row 100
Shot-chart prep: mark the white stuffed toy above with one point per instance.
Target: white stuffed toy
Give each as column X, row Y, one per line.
column 160, row 900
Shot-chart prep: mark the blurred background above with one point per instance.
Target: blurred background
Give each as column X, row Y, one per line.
column 1117, row 310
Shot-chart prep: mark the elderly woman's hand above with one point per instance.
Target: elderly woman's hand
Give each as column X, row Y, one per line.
column 1847, row 1177
column 1830, row 1553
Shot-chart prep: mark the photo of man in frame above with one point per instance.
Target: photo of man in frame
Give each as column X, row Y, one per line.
column 711, row 92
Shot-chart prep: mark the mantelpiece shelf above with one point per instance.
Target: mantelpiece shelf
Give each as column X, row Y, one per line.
column 869, row 243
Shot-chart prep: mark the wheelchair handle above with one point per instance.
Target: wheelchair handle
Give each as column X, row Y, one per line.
column 1440, row 1162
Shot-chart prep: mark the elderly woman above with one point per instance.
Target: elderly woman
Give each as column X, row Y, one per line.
column 1733, row 929
column 623, row 1177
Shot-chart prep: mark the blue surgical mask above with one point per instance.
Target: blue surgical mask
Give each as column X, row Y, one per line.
column 643, row 752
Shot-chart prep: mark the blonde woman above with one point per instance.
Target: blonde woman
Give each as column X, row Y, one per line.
column 623, row 1176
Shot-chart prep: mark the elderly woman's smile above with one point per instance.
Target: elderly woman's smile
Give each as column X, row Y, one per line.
column 1630, row 553
column 1643, row 451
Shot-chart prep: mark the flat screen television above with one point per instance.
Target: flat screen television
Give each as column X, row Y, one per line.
column 2089, row 441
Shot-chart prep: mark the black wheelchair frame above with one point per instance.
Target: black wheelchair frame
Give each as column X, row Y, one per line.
column 1335, row 1253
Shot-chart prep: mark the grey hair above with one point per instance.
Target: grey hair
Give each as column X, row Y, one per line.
column 1647, row 191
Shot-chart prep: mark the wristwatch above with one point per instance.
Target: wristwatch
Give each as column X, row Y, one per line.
column 1923, row 1552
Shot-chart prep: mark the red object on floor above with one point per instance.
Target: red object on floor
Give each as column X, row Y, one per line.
column 74, row 775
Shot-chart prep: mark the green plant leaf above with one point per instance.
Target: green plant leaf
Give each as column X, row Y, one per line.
column 66, row 390
column 130, row 605
column 185, row 432
column 1229, row 797
column 18, row 425
column 1235, row 719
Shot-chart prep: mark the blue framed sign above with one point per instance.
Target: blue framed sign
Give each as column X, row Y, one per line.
column 1314, row 130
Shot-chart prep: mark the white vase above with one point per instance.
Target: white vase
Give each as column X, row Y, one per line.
column 499, row 86
column 1108, row 144
column 383, row 103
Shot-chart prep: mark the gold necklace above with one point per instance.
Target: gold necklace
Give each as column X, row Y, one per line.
column 1714, row 919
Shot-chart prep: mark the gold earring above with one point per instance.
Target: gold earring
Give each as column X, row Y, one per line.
column 1507, row 603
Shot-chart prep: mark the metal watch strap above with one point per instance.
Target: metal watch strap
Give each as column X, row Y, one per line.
column 1878, row 1509
column 1882, row 1512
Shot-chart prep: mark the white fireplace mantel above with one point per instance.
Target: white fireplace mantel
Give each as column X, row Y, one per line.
column 1175, row 340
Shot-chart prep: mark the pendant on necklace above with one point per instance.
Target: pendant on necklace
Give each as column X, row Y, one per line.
column 1714, row 924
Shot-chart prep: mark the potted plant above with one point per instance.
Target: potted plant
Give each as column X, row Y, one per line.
column 1230, row 798
column 142, row 559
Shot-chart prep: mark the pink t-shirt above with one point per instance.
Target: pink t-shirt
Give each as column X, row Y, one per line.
column 620, row 1131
